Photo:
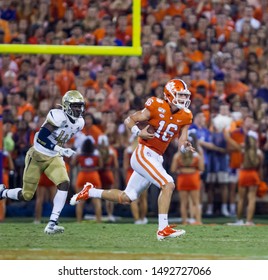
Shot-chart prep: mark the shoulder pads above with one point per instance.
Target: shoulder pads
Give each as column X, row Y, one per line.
column 56, row 117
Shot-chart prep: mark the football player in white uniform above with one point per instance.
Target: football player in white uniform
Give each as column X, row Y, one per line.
column 46, row 155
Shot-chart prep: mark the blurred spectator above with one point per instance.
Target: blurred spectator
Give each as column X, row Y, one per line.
column 262, row 91
column 233, row 84
column 248, row 183
column 109, row 170
column 192, row 53
column 89, row 161
column 77, row 37
column 124, row 30
column 8, row 10
column 187, row 168
column 247, row 17
column 64, row 76
column 5, row 35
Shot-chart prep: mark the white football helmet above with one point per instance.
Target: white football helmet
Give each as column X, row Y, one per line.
column 73, row 104
column 177, row 93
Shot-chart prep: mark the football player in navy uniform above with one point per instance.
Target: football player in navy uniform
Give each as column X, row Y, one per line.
column 46, row 155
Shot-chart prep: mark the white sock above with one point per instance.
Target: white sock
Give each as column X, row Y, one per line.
column 162, row 221
column 210, row 208
column 233, row 207
column 58, row 204
column 11, row 193
column 224, row 207
column 95, row 193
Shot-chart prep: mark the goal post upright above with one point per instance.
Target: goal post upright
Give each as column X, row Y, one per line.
column 134, row 50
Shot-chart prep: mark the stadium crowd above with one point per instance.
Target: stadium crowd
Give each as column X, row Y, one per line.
column 218, row 47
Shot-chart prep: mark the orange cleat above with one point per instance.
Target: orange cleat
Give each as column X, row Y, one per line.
column 169, row 232
column 82, row 195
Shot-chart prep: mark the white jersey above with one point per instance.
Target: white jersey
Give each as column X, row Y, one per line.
column 64, row 132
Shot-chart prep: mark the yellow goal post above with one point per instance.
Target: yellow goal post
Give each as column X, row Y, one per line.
column 135, row 49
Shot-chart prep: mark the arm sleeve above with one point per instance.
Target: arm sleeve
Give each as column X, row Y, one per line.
column 43, row 139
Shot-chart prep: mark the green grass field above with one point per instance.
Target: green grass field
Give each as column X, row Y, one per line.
column 21, row 239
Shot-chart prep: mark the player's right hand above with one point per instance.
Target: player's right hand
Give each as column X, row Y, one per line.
column 145, row 134
column 66, row 152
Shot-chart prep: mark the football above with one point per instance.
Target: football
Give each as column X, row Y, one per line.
column 142, row 125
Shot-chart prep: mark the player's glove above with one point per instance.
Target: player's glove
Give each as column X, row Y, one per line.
column 66, row 152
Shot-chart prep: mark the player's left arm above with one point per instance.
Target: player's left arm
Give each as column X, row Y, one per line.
column 43, row 139
column 184, row 144
column 43, row 135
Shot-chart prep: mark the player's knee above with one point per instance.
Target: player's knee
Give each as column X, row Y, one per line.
column 64, row 186
column 170, row 186
column 124, row 198
column 27, row 195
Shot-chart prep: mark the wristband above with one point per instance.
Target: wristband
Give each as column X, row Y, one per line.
column 135, row 130
column 183, row 149
column 57, row 148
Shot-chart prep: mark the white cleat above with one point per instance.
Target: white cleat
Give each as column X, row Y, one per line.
column 53, row 228
column 225, row 213
column 143, row 221
column 82, row 195
column 237, row 223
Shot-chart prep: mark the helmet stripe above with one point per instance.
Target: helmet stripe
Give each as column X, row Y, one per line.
column 184, row 84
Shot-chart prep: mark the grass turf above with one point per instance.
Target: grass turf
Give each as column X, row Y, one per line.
column 21, row 239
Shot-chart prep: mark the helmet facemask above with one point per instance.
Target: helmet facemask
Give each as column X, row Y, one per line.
column 73, row 104
column 182, row 103
column 173, row 92
column 74, row 110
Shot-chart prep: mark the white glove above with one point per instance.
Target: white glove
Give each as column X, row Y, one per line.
column 67, row 152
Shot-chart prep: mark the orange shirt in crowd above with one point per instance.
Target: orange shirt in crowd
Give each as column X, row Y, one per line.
column 195, row 56
column 258, row 51
column 24, row 108
column 65, row 81
column 75, row 41
column 94, row 131
column 236, row 87
column 88, row 170
column 236, row 157
column 223, row 30
column 174, row 10
column 97, row 86
column 57, row 9
column 196, row 83
column 80, row 11
column 160, row 14
column 179, row 70
column 99, row 34
column 4, row 26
